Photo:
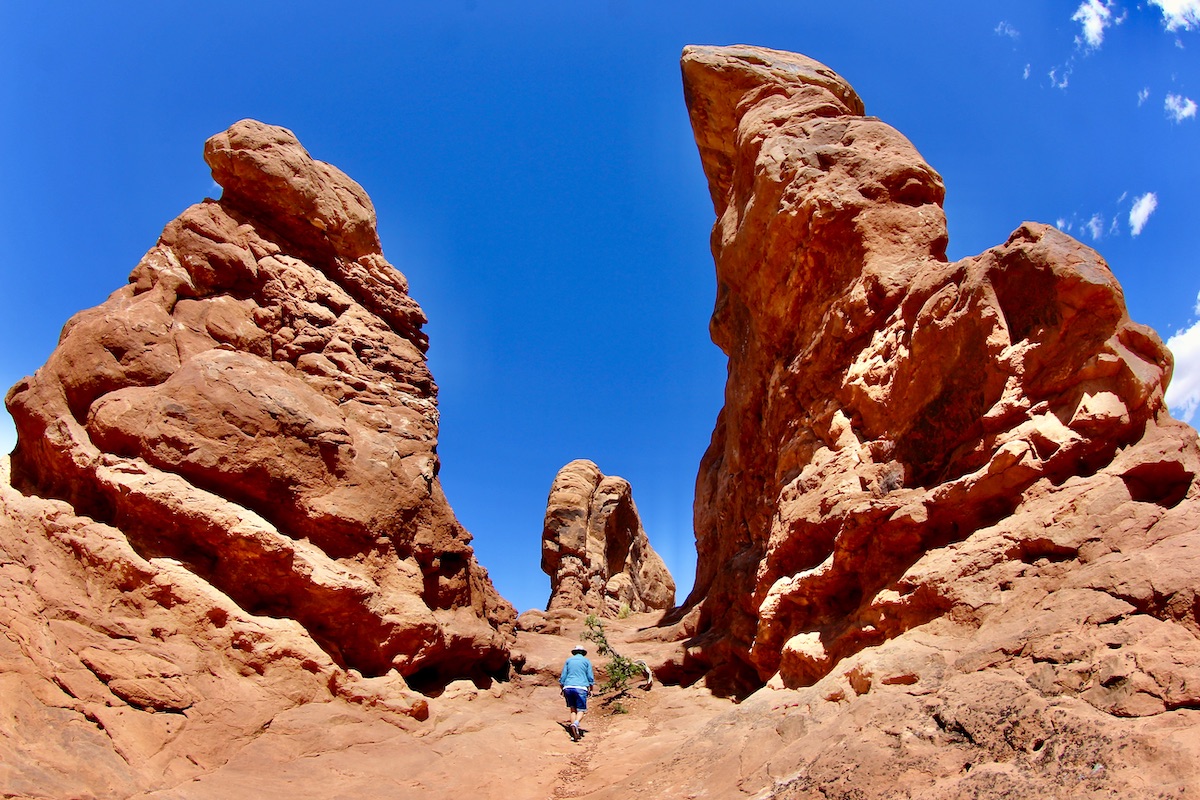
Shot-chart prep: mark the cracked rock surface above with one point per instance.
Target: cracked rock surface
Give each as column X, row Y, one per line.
column 944, row 503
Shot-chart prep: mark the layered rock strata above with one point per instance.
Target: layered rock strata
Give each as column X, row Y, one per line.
column 255, row 408
column 121, row 674
column 974, row 456
column 595, row 550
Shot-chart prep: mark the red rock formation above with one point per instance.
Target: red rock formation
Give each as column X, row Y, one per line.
column 595, row 550
column 945, row 516
column 255, row 406
column 905, row 440
column 121, row 674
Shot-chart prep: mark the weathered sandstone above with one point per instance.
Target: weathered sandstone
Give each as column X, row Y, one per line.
column 884, row 405
column 943, row 500
column 594, row 547
column 121, row 673
column 255, row 406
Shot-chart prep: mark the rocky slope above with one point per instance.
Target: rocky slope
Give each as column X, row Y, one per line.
column 121, row 674
column 595, row 550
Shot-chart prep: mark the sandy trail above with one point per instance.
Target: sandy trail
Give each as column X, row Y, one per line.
column 510, row 745
column 508, row 742
column 520, row 742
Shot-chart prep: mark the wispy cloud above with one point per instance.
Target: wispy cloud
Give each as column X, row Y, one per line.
column 1143, row 95
column 1110, row 221
column 1179, row 13
column 1143, row 207
column 1179, row 107
column 1005, row 29
column 1095, row 16
column 1183, row 395
column 1059, row 80
column 1025, row 75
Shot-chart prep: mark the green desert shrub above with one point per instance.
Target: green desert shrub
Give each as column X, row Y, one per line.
column 619, row 669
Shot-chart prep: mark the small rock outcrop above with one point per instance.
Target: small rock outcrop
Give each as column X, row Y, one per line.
column 255, row 407
column 595, row 550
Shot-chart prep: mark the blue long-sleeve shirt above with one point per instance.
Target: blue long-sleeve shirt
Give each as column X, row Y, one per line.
column 577, row 674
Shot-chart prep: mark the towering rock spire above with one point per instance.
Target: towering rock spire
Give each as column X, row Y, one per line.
column 907, row 440
column 256, row 405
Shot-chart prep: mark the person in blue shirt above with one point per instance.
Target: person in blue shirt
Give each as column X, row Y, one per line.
column 576, row 681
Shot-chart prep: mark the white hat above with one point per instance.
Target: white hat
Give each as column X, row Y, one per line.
column 579, row 649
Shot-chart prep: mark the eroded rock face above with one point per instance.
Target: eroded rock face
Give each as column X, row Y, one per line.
column 976, row 450
column 594, row 547
column 121, row 674
column 255, row 407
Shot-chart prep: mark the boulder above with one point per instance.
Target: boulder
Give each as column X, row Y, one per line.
column 595, row 550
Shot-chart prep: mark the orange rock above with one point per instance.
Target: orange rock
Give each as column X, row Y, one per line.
column 594, row 549
column 947, row 532
column 256, row 406
column 887, row 409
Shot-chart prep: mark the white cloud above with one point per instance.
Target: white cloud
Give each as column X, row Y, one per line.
column 1179, row 107
column 1026, row 73
column 1095, row 226
column 1095, row 16
column 8, row 434
column 1143, row 95
column 1004, row 29
column 1179, row 13
column 1059, row 82
column 1183, row 394
column 1062, row 224
column 1143, row 207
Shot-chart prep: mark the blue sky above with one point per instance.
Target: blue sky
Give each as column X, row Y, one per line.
column 535, row 178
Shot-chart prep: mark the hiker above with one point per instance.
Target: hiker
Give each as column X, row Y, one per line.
column 576, row 680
